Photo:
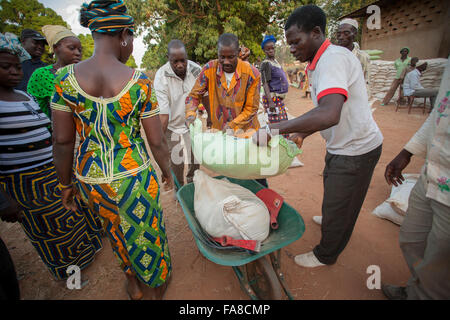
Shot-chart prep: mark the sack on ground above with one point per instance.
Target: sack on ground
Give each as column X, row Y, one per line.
column 385, row 211
column 400, row 195
column 226, row 209
column 241, row 158
column 395, row 207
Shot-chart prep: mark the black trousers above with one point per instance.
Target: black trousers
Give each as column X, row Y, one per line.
column 346, row 180
column 9, row 286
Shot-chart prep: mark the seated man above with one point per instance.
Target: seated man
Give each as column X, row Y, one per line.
column 412, row 86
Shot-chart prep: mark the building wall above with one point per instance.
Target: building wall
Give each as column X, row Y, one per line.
column 421, row 25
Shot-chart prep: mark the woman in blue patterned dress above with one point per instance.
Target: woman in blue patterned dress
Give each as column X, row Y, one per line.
column 105, row 102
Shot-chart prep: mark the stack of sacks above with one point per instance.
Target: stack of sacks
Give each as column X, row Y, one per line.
column 374, row 54
column 382, row 73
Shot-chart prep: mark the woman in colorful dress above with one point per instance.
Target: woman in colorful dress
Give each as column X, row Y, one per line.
column 105, row 102
column 61, row 237
column 274, row 83
column 67, row 49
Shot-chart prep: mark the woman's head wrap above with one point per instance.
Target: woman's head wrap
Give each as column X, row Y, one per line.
column 106, row 16
column 54, row 34
column 11, row 44
column 267, row 39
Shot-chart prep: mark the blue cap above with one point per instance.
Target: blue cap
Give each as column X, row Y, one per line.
column 269, row 38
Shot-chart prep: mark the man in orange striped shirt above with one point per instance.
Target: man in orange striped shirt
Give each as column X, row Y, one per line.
column 233, row 89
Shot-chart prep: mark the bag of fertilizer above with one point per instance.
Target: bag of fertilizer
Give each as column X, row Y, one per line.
column 394, row 208
column 400, row 195
column 226, row 209
column 374, row 52
column 241, row 158
column 385, row 211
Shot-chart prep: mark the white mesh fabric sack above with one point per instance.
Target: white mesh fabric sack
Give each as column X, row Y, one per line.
column 226, row 209
column 241, row 158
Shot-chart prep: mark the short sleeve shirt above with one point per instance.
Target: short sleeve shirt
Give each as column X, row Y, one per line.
column 172, row 91
column 336, row 70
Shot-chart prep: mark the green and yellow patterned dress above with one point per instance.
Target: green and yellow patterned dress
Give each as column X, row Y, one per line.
column 116, row 177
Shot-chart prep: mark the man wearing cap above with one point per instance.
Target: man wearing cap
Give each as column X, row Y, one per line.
column 34, row 43
column 400, row 64
column 346, row 35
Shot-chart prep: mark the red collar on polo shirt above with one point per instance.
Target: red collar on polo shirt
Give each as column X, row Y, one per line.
column 322, row 48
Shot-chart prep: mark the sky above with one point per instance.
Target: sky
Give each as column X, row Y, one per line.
column 69, row 11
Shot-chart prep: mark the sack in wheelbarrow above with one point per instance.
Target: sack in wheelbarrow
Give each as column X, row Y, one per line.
column 240, row 158
column 226, row 209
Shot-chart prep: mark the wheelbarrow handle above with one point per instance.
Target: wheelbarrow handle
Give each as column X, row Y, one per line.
column 274, row 214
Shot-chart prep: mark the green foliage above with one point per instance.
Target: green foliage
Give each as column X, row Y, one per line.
column 87, row 42
column 198, row 23
column 17, row 15
column 131, row 62
column 336, row 9
column 88, row 45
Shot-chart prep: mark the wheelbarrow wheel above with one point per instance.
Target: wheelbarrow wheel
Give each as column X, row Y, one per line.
column 263, row 280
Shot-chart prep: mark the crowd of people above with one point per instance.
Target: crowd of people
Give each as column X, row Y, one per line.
column 68, row 194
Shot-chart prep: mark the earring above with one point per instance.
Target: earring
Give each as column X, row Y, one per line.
column 123, row 43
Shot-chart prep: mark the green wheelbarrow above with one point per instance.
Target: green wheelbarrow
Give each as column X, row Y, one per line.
column 260, row 277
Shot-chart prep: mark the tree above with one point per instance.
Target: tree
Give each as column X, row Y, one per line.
column 131, row 62
column 17, row 15
column 88, row 45
column 87, row 42
column 198, row 23
column 336, row 9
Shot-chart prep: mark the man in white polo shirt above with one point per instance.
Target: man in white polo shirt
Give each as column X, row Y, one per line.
column 344, row 118
column 173, row 82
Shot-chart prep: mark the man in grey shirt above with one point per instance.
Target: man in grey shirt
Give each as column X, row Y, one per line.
column 173, row 82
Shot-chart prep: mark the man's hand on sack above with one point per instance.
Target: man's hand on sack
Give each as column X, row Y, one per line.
column 261, row 137
column 189, row 120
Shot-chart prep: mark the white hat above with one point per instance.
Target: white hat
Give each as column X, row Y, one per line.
column 351, row 22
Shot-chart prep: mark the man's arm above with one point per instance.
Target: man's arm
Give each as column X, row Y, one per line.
column 326, row 115
column 416, row 146
column 413, row 80
column 162, row 95
column 195, row 96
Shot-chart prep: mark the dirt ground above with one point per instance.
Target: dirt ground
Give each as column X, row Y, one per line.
column 374, row 241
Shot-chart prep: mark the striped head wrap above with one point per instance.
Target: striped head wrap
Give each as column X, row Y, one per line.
column 106, row 16
column 10, row 43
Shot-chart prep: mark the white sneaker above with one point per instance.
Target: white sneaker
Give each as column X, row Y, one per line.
column 308, row 260
column 318, row 220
